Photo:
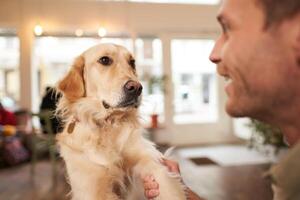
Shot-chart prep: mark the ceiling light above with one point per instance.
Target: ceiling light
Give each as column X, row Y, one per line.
column 102, row 32
column 79, row 32
column 38, row 30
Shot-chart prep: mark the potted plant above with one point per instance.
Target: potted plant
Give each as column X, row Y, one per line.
column 156, row 84
column 265, row 135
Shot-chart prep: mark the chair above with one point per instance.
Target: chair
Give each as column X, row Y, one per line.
column 41, row 140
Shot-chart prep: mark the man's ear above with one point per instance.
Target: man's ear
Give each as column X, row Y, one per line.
column 72, row 85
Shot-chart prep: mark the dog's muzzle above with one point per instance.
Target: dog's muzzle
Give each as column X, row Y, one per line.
column 132, row 92
column 132, row 95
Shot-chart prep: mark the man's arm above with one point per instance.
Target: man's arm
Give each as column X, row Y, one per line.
column 151, row 187
column 192, row 195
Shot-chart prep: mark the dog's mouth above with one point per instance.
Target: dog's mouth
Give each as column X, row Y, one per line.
column 127, row 103
column 106, row 105
column 134, row 102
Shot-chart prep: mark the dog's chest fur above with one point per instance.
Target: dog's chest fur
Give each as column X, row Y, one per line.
column 95, row 157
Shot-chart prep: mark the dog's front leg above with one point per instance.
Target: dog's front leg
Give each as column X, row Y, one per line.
column 170, row 186
column 90, row 176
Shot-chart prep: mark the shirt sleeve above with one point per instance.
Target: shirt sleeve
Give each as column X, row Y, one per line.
column 285, row 176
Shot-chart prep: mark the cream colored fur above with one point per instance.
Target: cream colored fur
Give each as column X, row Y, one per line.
column 105, row 154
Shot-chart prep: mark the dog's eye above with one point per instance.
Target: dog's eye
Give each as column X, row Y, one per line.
column 105, row 60
column 132, row 63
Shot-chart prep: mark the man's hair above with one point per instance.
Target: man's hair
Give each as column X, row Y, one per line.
column 278, row 10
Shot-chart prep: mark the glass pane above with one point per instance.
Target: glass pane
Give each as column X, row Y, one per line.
column 54, row 55
column 149, row 68
column 9, row 71
column 194, row 79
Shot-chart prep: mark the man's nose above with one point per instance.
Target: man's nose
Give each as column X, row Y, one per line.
column 215, row 55
column 214, row 58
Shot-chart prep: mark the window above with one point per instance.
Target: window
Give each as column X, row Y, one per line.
column 149, row 68
column 9, row 71
column 54, row 55
column 194, row 79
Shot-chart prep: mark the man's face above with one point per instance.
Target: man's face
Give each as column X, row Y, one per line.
column 256, row 61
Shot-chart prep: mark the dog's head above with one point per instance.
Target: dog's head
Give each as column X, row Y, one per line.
column 105, row 72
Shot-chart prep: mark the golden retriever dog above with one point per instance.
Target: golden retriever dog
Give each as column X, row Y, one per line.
column 102, row 144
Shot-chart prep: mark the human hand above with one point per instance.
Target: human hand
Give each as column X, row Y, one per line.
column 172, row 166
column 151, row 187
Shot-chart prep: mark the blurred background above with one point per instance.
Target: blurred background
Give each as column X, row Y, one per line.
column 183, row 98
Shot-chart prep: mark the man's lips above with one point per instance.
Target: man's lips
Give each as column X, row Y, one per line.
column 227, row 79
column 228, row 83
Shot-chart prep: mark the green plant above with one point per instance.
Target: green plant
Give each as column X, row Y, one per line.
column 265, row 134
column 157, row 82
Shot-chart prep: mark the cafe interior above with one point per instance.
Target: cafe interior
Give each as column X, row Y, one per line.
column 221, row 158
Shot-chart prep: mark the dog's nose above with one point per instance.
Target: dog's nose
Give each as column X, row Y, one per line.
column 133, row 88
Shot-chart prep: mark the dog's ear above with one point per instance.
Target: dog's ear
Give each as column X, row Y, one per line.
column 72, row 85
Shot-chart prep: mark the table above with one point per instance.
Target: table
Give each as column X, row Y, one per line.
column 243, row 182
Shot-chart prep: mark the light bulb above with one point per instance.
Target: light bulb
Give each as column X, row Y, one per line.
column 38, row 30
column 79, row 32
column 102, row 32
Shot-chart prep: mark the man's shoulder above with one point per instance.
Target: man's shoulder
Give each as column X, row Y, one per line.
column 286, row 174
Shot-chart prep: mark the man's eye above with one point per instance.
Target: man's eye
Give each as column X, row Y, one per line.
column 132, row 63
column 105, row 60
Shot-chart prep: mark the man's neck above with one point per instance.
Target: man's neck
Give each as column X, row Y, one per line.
column 287, row 119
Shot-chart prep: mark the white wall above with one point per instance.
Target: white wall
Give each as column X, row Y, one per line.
column 60, row 16
column 63, row 15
